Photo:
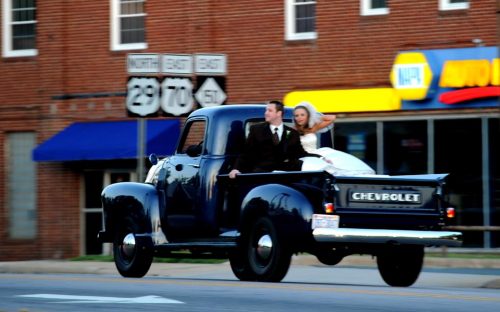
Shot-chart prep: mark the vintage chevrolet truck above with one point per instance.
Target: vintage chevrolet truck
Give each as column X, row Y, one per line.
column 258, row 221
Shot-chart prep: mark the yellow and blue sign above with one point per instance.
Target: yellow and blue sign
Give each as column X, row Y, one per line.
column 411, row 76
column 425, row 79
column 447, row 78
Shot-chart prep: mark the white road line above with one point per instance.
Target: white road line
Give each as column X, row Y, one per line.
column 97, row 299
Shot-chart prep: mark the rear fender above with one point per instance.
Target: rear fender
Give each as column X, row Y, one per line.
column 132, row 202
column 290, row 210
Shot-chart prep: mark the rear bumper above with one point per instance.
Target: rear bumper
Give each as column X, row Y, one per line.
column 381, row 236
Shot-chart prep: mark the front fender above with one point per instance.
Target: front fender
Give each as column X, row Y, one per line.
column 289, row 208
column 131, row 202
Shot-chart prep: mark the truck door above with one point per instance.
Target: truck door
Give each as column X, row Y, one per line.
column 183, row 187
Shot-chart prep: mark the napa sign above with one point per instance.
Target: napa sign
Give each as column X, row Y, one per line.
column 412, row 76
column 447, row 78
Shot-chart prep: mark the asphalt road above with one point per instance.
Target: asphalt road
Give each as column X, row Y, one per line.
column 489, row 269
column 214, row 288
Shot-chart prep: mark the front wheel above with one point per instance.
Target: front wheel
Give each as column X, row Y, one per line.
column 401, row 266
column 132, row 256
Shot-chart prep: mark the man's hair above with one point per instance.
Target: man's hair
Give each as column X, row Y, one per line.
column 279, row 105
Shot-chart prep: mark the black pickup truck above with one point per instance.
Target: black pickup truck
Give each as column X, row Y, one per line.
column 258, row 221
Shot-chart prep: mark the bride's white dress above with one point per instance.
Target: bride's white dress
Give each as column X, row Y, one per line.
column 338, row 163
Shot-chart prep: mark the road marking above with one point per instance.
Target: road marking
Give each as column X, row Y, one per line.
column 97, row 299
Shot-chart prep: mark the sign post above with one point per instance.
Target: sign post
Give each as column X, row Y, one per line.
column 143, row 98
column 141, row 148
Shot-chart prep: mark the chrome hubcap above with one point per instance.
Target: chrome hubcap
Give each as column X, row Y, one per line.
column 128, row 245
column 264, row 247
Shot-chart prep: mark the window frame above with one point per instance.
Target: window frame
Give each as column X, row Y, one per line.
column 366, row 9
column 7, row 35
column 115, row 29
column 290, row 31
column 195, row 132
column 446, row 5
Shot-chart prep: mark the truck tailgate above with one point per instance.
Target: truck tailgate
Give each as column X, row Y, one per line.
column 396, row 202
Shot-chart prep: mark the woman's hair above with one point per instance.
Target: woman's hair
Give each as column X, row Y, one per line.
column 312, row 118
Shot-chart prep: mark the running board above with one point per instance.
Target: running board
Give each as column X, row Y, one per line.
column 197, row 245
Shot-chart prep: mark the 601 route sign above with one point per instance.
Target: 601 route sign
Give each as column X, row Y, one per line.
column 145, row 96
column 210, row 93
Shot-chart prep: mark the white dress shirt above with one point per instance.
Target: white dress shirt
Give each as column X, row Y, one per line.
column 280, row 129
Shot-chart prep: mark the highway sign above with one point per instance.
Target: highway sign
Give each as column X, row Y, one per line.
column 177, row 96
column 177, row 64
column 143, row 95
column 210, row 64
column 210, row 93
column 143, row 63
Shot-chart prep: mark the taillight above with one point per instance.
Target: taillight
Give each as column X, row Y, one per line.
column 329, row 208
column 450, row 212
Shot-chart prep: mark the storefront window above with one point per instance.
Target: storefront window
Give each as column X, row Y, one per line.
column 494, row 156
column 358, row 139
column 458, row 152
column 405, row 147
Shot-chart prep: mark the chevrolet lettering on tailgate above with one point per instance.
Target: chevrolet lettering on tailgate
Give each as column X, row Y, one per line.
column 396, row 197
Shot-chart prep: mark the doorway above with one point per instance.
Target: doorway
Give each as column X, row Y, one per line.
column 94, row 182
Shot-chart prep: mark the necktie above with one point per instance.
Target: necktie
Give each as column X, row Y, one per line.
column 276, row 138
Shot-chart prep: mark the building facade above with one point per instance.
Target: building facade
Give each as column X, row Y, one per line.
column 384, row 67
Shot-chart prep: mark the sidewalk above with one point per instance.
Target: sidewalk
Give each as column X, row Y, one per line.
column 191, row 269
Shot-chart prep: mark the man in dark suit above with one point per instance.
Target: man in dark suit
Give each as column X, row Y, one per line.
column 270, row 145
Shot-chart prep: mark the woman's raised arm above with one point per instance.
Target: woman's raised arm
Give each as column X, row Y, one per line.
column 324, row 122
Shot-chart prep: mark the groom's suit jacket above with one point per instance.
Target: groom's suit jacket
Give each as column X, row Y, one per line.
column 262, row 155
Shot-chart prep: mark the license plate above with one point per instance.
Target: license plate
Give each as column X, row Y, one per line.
column 325, row 221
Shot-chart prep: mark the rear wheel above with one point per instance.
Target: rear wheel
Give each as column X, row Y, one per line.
column 240, row 267
column 401, row 266
column 132, row 256
column 267, row 254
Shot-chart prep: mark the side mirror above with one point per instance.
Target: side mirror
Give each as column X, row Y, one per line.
column 153, row 159
column 194, row 150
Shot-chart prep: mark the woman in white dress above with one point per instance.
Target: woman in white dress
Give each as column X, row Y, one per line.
column 308, row 123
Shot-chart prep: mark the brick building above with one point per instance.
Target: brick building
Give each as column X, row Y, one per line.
column 64, row 67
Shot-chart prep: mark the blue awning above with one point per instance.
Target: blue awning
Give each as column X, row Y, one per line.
column 108, row 140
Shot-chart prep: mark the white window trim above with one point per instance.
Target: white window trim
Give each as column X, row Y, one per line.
column 7, row 50
column 367, row 10
column 445, row 5
column 115, row 31
column 290, row 33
